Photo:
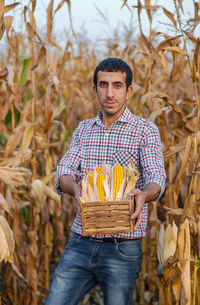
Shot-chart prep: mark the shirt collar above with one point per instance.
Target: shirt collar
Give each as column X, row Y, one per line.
column 124, row 117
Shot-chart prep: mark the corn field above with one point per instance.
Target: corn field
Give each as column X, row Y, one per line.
column 44, row 92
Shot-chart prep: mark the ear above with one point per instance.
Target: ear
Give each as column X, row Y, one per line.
column 129, row 91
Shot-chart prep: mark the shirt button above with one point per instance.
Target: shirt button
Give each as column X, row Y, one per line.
column 106, row 134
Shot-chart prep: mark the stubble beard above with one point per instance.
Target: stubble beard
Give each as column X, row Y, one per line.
column 111, row 112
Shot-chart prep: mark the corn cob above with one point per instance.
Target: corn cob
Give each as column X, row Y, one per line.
column 90, row 181
column 99, row 170
column 100, row 187
column 118, row 176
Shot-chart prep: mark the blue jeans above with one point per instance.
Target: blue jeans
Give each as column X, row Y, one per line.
column 113, row 265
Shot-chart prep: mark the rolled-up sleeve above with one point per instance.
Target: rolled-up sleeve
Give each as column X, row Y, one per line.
column 151, row 157
column 70, row 162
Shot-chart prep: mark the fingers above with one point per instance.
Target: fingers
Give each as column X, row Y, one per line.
column 139, row 203
column 138, row 221
column 134, row 192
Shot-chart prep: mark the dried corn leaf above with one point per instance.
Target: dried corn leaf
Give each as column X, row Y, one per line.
column 37, row 191
column 7, row 245
column 4, row 204
column 2, row 25
column 148, row 10
column 9, row 7
column 14, row 176
column 184, row 262
column 184, row 164
column 50, row 24
column 3, row 73
column 51, row 193
column 41, row 54
column 176, row 50
column 84, row 185
column 176, row 287
column 166, row 42
column 14, row 139
column 180, row 4
column 171, row 211
column 164, row 62
column 161, row 244
column 107, row 187
column 169, row 15
column 120, row 193
column 91, row 197
column 170, row 241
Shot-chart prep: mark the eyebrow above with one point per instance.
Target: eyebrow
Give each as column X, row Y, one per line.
column 105, row 82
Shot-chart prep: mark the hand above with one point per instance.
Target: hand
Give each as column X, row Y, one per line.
column 139, row 202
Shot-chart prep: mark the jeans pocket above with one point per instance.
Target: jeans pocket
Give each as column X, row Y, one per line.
column 130, row 249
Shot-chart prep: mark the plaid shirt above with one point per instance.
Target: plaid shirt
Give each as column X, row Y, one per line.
column 128, row 138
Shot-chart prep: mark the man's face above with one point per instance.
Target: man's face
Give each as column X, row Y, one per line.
column 112, row 92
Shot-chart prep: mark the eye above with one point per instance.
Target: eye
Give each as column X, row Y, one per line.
column 102, row 85
column 117, row 85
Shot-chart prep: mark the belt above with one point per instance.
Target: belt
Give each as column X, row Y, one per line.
column 109, row 239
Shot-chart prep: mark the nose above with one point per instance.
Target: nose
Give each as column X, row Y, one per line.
column 110, row 92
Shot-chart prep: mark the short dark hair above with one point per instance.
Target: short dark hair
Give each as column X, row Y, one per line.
column 113, row 64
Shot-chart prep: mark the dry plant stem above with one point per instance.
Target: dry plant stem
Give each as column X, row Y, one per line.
column 34, row 170
column 195, row 280
column 15, row 290
column 46, row 258
column 171, row 192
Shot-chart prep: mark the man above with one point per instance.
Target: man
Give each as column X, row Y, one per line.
column 115, row 135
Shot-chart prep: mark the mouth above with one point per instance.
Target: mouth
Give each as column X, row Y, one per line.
column 110, row 103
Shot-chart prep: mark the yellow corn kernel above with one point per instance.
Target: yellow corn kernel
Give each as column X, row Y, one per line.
column 99, row 170
column 118, row 176
column 100, row 187
column 90, row 179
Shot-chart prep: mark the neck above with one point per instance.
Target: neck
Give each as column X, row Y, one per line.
column 108, row 120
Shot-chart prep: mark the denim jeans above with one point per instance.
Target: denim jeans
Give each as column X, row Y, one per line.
column 113, row 265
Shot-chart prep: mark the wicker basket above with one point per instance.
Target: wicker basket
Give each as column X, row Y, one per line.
column 107, row 217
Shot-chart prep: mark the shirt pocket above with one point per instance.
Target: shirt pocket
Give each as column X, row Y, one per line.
column 124, row 157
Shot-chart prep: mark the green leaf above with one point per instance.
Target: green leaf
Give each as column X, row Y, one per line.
column 17, row 114
column 58, row 100
column 40, row 169
column 3, row 139
column 24, row 73
column 15, row 78
column 68, row 133
column 40, row 81
column 25, row 214
column 8, row 117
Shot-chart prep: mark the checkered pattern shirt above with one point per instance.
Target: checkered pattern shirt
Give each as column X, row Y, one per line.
column 128, row 138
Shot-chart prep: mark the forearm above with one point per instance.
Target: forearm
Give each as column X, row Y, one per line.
column 68, row 185
column 151, row 192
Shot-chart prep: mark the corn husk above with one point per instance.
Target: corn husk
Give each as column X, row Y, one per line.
column 7, row 244
column 126, row 184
